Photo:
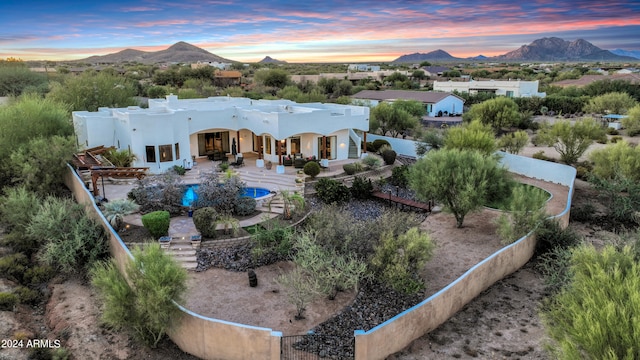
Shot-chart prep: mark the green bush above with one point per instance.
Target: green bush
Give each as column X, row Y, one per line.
column 312, row 168
column 612, row 131
column 583, row 214
column 615, row 139
column 27, row 296
column 7, row 301
column 180, row 170
column 594, row 317
column 398, row 259
column 55, row 219
column 274, row 236
column 85, row 243
column 13, row 267
column 361, row 188
column 157, row 223
column 358, row 166
column 17, row 207
column 120, row 158
column 377, row 143
column 554, row 266
column 147, row 307
column 541, row 156
column 331, row 191
column 245, row 206
column 38, row 275
column 389, row 157
column 372, row 162
column 550, row 235
column 349, row 169
column 400, row 176
column 205, row 220
column 19, row 242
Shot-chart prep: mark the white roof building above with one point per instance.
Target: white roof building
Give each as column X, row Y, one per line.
column 508, row 88
column 175, row 131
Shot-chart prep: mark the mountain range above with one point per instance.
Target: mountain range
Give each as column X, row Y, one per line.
column 545, row 49
column 180, row 52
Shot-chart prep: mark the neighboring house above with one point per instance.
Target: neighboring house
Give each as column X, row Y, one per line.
column 175, row 131
column 354, row 77
column 508, row 88
column 633, row 78
column 436, row 103
column 219, row 65
column 363, row 67
column 434, row 71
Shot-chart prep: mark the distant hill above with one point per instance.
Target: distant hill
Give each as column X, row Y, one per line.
column 556, row 49
column 269, row 60
column 180, row 52
column 631, row 53
column 437, row 55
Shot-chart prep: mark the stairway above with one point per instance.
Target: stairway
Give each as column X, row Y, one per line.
column 183, row 252
column 353, row 149
column 268, row 179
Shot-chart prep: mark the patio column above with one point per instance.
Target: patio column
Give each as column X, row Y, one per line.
column 260, row 147
column 279, row 144
column 364, row 150
column 324, row 147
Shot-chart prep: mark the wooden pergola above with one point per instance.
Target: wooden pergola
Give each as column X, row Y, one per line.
column 116, row 172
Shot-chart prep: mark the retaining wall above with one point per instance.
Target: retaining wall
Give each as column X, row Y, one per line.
column 398, row 332
column 195, row 334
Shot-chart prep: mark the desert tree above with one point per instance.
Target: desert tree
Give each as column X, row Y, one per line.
column 472, row 136
column 618, row 159
column 513, row 142
column 632, row 122
column 461, row 180
column 392, row 119
column 498, row 112
column 571, row 140
column 525, row 211
column 613, row 103
column 90, row 91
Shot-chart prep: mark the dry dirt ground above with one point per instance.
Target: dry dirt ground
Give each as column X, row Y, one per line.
column 501, row 323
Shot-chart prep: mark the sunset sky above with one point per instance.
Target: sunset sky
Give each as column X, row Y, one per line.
column 309, row 31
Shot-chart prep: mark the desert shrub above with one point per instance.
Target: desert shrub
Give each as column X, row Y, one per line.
column 621, row 198
column 13, row 267
column 400, row 176
column 27, row 296
column 84, row 244
column 358, row 166
column 312, row 168
column 19, row 242
column 398, row 258
column 147, row 307
column 525, row 211
column 554, row 266
column 245, row 206
column 17, row 208
column 157, row 223
column 114, row 211
column 541, row 156
column 550, row 235
column 593, row 316
column 361, row 188
column 179, row 169
column 372, row 162
column 377, row 143
column 54, row 219
column 300, row 288
column 275, row 236
column 583, row 214
column 222, row 197
column 334, row 272
column 389, row 157
column 38, row 275
column 7, row 301
column 230, row 225
column 349, row 169
column 204, row 220
column 615, row 139
column 161, row 192
column 120, row 158
column 612, row 131
column 331, row 191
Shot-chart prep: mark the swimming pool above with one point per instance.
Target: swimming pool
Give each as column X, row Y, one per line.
column 190, row 194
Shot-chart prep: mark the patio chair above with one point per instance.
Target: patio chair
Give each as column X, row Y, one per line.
column 238, row 163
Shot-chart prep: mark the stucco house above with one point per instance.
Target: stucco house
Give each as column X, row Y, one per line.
column 176, row 131
column 508, row 88
column 436, row 103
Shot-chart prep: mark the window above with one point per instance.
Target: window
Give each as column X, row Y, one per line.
column 166, row 153
column 267, row 142
column 177, row 146
column 151, row 153
column 509, row 93
column 295, row 145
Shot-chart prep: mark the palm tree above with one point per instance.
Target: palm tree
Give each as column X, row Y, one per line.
column 120, row 158
column 292, row 202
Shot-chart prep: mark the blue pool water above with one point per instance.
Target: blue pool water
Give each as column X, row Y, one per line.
column 190, row 194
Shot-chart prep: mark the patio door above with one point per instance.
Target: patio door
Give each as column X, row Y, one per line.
column 329, row 144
